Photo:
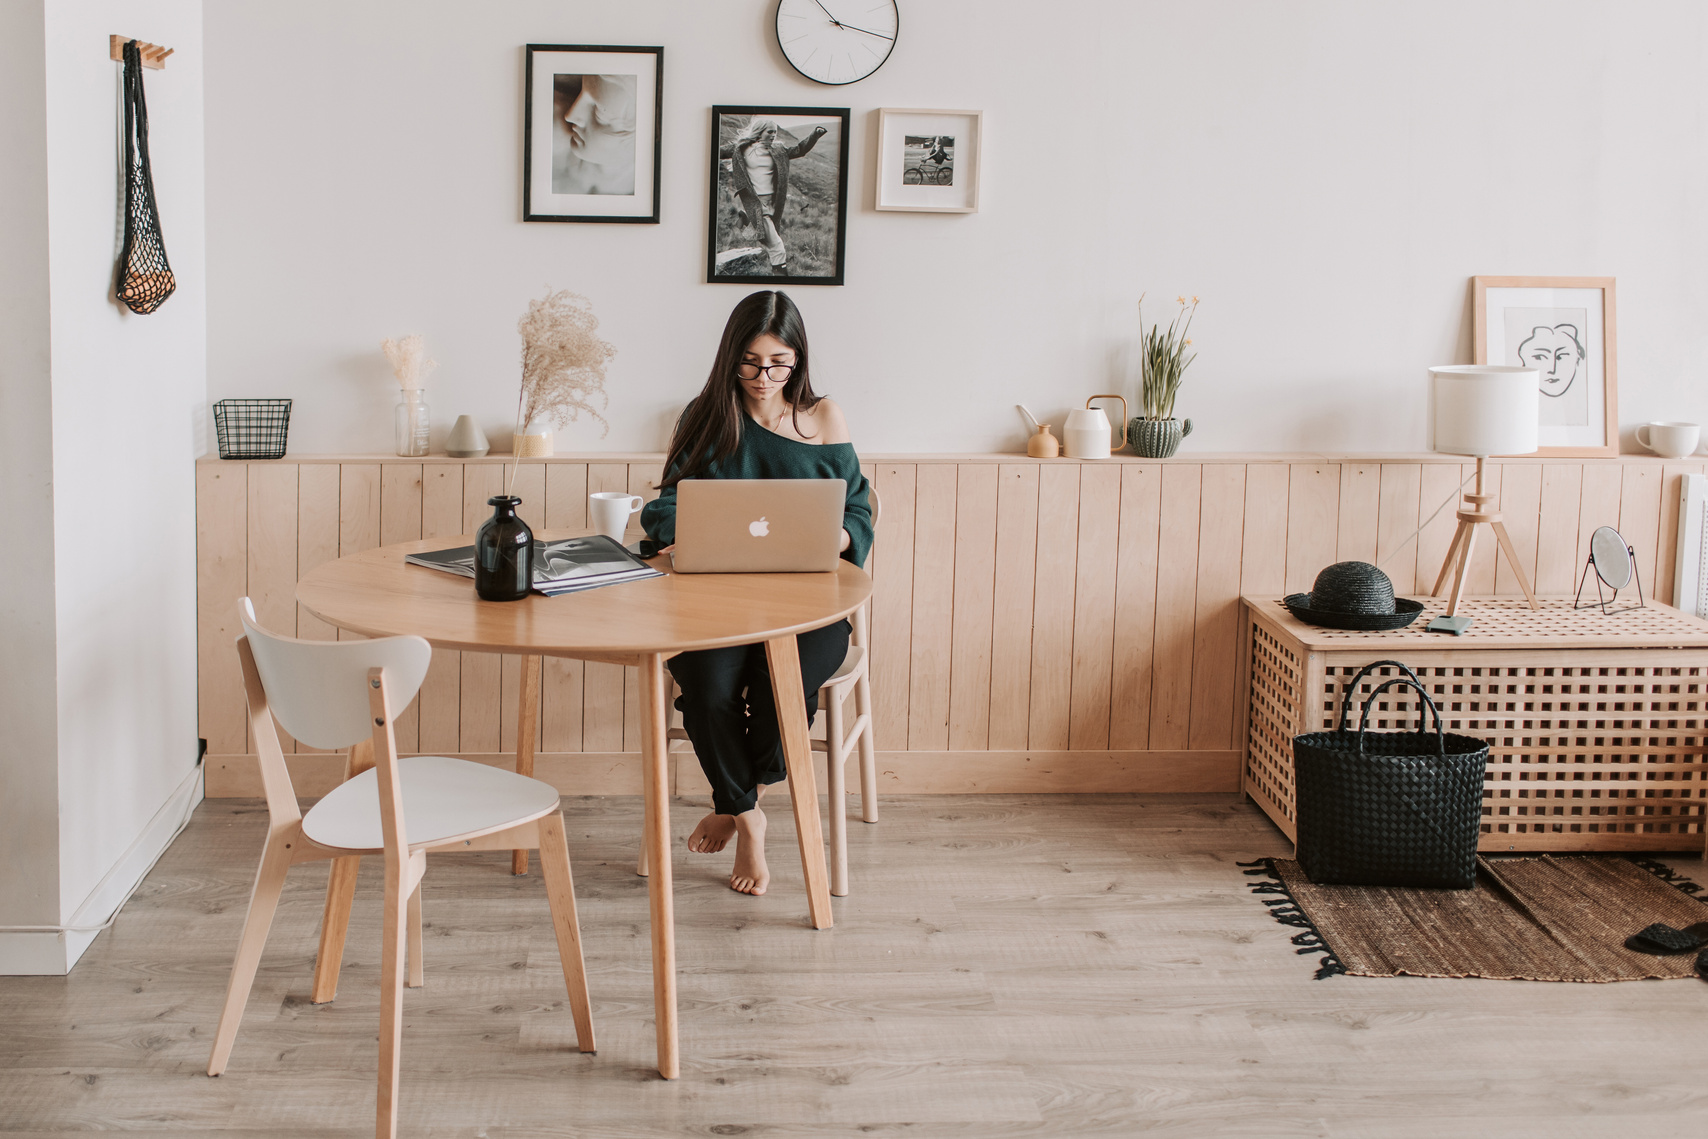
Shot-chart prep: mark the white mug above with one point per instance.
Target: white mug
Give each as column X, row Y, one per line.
column 1670, row 440
column 610, row 510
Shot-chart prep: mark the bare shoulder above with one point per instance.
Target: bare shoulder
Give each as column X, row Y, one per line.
column 831, row 424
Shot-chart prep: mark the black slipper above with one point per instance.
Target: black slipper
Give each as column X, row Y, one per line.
column 1662, row 939
column 1702, row 964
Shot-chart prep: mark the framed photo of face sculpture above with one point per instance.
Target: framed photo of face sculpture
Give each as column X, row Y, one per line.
column 779, row 209
column 1564, row 328
column 928, row 161
column 591, row 133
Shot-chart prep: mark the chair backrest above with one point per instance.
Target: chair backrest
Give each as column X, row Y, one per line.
column 319, row 689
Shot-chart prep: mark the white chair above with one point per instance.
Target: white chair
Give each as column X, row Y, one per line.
column 337, row 694
column 841, row 737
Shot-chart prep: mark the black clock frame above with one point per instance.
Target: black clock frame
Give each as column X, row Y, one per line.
column 778, row 35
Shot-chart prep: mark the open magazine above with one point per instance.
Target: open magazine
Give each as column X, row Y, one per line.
column 567, row 565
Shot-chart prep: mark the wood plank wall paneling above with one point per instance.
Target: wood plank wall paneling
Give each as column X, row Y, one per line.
column 1011, row 617
column 1133, row 638
column 975, row 585
column 892, row 609
column 1051, row 683
column 1025, row 610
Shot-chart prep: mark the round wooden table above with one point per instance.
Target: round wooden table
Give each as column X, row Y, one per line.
column 640, row 623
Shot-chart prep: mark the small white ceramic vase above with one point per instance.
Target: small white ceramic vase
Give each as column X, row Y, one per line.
column 466, row 440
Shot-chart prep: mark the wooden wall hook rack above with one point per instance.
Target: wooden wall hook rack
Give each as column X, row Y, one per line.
column 153, row 55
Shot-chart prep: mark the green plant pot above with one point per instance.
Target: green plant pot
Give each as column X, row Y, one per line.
column 1157, row 438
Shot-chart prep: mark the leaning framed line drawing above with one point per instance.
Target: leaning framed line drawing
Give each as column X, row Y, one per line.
column 779, row 183
column 1565, row 327
column 591, row 131
column 928, row 161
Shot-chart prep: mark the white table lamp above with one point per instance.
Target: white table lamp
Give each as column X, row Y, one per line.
column 1483, row 410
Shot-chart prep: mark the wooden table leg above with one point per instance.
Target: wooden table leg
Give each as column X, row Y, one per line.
column 527, row 724
column 655, row 776
column 785, row 663
column 340, row 894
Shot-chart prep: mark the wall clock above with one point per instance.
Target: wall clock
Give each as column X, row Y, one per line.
column 837, row 41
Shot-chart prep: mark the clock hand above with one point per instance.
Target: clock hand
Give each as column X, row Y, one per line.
column 852, row 28
column 826, row 11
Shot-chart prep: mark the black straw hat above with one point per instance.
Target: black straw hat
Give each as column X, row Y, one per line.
column 1353, row 595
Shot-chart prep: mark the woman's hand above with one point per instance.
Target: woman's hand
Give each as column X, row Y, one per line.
column 847, row 540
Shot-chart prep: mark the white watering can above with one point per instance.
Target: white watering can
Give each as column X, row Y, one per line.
column 1087, row 432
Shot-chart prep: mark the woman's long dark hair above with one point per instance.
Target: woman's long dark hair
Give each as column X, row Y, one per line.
column 710, row 429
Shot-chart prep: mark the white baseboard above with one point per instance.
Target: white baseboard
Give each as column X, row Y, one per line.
column 54, row 954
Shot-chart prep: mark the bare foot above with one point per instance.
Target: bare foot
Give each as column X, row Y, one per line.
column 750, row 875
column 713, row 834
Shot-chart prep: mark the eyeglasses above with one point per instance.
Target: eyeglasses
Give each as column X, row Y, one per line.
column 773, row 372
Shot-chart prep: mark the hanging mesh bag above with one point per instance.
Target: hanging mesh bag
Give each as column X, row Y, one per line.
column 144, row 278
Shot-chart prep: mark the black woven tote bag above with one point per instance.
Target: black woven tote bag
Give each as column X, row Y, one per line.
column 1389, row 808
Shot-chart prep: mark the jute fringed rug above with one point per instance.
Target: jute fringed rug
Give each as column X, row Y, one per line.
column 1548, row 918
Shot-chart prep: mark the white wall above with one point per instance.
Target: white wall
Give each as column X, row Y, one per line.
column 1326, row 175
column 109, row 473
column 124, row 390
column 29, row 785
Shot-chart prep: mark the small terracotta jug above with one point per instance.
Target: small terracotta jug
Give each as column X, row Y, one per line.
column 1043, row 445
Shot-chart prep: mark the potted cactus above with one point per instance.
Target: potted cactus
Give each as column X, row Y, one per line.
column 1163, row 361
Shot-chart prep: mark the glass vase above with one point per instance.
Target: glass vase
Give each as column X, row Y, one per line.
column 411, row 423
column 503, row 553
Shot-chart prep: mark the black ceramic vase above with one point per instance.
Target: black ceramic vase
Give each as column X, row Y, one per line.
column 503, row 553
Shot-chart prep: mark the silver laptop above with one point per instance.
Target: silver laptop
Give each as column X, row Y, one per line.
column 758, row 525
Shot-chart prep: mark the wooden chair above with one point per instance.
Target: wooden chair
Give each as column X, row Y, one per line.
column 337, row 694
column 841, row 737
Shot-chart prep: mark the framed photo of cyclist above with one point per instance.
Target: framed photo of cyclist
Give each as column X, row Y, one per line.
column 779, row 210
column 928, row 161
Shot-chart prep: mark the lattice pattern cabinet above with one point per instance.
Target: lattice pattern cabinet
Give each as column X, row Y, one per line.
column 1596, row 723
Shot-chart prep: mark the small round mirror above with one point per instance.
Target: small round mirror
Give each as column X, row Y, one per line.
column 1612, row 556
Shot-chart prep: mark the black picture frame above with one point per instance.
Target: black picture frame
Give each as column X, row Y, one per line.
column 542, row 203
column 742, row 246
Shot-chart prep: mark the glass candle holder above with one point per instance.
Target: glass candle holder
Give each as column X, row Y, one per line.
column 411, row 423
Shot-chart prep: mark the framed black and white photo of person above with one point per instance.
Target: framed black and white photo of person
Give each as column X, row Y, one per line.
column 928, row 161
column 591, row 134
column 779, row 209
column 1564, row 328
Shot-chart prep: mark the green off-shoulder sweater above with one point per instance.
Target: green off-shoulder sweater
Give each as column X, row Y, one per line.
column 765, row 454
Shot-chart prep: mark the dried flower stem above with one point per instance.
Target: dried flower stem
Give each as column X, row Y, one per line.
column 563, row 364
column 409, row 360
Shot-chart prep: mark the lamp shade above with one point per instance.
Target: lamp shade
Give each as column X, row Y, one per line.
column 1486, row 409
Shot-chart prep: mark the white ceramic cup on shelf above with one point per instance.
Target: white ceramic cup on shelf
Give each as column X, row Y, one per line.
column 610, row 511
column 1670, row 440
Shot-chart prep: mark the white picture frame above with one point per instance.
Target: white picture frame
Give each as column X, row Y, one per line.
column 1531, row 321
column 929, row 161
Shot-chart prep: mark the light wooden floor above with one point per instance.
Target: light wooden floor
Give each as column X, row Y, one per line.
column 1008, row 965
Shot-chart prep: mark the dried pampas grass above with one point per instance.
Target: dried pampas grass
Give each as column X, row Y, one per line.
column 409, row 360
column 563, row 364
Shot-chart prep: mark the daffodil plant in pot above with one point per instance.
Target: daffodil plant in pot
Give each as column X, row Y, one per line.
column 1162, row 365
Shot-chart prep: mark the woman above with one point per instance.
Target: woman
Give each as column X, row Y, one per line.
column 756, row 418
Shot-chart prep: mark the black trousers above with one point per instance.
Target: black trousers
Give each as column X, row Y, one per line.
column 731, row 718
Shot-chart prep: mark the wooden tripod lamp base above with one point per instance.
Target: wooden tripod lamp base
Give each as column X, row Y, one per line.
column 1459, row 553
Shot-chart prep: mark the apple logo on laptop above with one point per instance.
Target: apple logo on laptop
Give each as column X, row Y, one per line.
column 760, row 528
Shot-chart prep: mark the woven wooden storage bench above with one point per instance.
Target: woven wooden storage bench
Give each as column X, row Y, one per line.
column 1596, row 724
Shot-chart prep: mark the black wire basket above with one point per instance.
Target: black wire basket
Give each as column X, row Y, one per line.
column 252, row 428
